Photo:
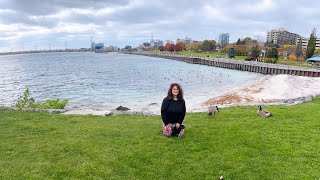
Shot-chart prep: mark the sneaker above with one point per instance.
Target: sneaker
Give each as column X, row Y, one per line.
column 181, row 133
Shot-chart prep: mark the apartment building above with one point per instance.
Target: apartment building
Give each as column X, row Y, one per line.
column 282, row 36
column 304, row 42
column 186, row 40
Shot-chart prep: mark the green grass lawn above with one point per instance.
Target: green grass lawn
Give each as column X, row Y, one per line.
column 294, row 63
column 236, row 144
column 200, row 54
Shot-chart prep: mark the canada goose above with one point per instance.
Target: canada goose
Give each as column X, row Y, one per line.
column 213, row 110
column 263, row 113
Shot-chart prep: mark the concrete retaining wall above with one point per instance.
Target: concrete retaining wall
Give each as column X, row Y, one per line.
column 250, row 66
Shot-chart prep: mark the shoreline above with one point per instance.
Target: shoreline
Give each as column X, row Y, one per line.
column 271, row 90
column 268, row 90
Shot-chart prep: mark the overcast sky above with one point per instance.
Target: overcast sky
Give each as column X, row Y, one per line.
column 38, row 24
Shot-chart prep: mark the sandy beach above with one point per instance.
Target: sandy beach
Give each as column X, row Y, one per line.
column 272, row 89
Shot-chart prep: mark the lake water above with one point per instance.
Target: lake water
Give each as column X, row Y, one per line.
column 106, row 81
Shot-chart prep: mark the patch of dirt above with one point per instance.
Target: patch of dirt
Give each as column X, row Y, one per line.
column 227, row 99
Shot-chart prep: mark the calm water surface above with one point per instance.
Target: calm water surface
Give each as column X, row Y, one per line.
column 105, row 81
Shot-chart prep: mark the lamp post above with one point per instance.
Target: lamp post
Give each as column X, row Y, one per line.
column 264, row 53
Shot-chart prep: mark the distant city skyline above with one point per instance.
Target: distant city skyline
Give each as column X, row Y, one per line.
column 58, row 24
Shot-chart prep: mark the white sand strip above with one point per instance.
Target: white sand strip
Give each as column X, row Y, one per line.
column 276, row 89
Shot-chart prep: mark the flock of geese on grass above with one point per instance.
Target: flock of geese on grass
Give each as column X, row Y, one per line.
column 212, row 110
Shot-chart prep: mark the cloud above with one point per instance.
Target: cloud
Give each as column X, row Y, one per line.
column 41, row 7
column 131, row 22
column 259, row 7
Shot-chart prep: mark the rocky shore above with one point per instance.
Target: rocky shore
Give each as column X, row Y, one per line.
column 270, row 90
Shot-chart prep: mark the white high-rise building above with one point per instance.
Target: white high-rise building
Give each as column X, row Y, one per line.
column 282, row 36
column 305, row 41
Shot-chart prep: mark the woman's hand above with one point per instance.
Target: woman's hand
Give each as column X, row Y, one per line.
column 177, row 125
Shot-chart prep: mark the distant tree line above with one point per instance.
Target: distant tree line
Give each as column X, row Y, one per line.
column 249, row 47
column 204, row 46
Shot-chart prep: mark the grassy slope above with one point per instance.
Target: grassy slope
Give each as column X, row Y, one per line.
column 217, row 54
column 236, row 144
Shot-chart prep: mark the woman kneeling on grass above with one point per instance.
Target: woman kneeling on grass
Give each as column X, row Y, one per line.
column 173, row 110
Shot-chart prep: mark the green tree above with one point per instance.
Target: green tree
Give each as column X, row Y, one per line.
column 193, row 46
column 311, row 44
column 241, row 50
column 205, row 46
column 231, row 53
column 213, row 45
column 254, row 53
column 239, row 42
column 208, row 45
column 275, row 53
column 247, row 40
column 272, row 53
column 268, row 52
